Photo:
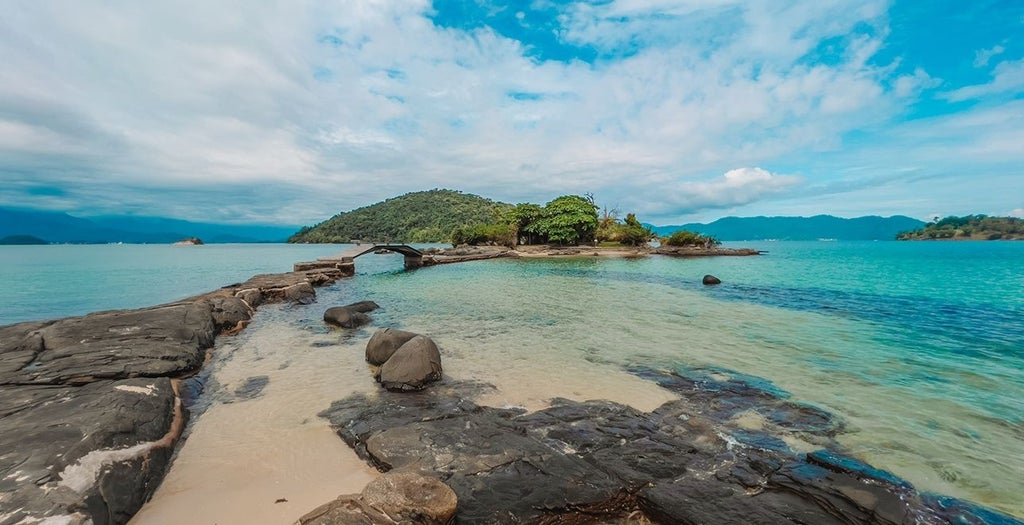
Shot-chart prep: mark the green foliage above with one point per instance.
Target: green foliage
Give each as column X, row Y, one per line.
column 980, row 227
column 634, row 233
column 519, row 218
column 688, row 238
column 569, row 219
column 426, row 216
column 494, row 234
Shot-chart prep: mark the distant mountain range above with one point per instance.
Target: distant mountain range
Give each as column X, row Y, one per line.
column 868, row 228
column 58, row 227
column 401, row 213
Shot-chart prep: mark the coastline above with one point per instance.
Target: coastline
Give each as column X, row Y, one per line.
column 265, row 283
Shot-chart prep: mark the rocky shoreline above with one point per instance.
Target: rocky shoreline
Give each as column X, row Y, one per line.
column 92, row 410
column 90, row 406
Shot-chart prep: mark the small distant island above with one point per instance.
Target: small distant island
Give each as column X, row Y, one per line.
column 968, row 228
column 190, row 241
column 21, row 240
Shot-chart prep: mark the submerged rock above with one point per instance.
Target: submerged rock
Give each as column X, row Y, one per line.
column 363, row 306
column 345, row 317
column 711, row 279
column 412, row 366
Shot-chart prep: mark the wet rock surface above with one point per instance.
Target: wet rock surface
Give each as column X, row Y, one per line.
column 689, row 461
column 90, row 407
column 345, row 317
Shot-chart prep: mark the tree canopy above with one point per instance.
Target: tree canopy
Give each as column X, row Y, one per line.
column 977, row 227
column 569, row 219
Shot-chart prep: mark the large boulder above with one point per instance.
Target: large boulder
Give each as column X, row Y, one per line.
column 395, row 497
column 711, row 279
column 345, row 317
column 383, row 343
column 412, row 366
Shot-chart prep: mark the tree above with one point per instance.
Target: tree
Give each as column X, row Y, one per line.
column 633, row 233
column 521, row 217
column 569, row 219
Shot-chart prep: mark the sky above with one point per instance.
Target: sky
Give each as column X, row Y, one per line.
column 291, row 112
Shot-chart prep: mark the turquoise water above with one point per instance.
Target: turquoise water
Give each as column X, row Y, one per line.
column 916, row 346
column 53, row 281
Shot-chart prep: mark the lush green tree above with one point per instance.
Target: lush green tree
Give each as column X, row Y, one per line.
column 688, row 238
column 569, row 219
column 520, row 218
column 633, row 233
column 499, row 234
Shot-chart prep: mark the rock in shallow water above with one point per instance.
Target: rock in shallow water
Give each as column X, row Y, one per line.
column 412, row 366
column 711, row 279
column 383, row 343
column 345, row 317
column 599, row 462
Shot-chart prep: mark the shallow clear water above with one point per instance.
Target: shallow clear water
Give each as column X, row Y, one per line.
column 917, row 346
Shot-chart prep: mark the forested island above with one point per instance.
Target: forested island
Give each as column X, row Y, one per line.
column 459, row 218
column 969, row 227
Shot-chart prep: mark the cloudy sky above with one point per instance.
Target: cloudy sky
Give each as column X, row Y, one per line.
column 289, row 112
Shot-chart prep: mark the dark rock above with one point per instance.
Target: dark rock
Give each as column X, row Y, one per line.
column 363, row 306
column 711, row 279
column 344, row 317
column 383, row 344
column 252, row 387
column 229, row 311
column 601, row 462
column 301, row 293
column 412, row 366
column 95, row 451
column 395, row 497
column 159, row 341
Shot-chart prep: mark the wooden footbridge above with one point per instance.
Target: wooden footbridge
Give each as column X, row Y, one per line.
column 345, row 261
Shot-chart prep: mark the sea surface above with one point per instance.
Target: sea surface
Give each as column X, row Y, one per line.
column 917, row 346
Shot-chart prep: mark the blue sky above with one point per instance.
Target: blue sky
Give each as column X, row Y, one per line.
column 677, row 110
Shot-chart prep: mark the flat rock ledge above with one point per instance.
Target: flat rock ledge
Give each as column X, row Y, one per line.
column 693, row 251
column 696, row 460
column 90, row 407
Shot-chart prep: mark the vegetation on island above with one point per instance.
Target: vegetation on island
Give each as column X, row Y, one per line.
column 970, row 227
column 451, row 216
column 426, row 216
column 688, row 238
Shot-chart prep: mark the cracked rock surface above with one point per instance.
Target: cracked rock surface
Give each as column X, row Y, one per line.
column 689, row 461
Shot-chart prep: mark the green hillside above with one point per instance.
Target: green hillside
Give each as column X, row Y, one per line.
column 971, row 227
column 425, row 216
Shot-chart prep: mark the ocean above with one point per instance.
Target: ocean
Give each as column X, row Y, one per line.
column 917, row 347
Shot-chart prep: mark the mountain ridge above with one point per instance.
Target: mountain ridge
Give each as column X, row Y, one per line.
column 60, row 227
column 795, row 228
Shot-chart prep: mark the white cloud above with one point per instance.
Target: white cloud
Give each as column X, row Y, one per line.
column 1016, row 212
column 1008, row 76
column 293, row 113
column 982, row 56
column 735, row 188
